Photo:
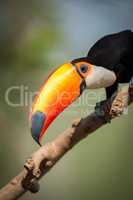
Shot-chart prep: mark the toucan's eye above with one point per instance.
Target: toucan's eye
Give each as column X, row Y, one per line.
column 84, row 68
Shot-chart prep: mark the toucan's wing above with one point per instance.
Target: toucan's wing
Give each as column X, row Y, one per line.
column 109, row 50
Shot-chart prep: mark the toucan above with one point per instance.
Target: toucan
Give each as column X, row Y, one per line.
column 108, row 63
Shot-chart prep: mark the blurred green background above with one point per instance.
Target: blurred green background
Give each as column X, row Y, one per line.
column 35, row 37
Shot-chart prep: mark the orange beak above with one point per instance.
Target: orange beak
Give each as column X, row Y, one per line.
column 62, row 87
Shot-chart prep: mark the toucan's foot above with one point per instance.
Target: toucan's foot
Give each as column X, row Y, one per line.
column 131, row 88
column 131, row 83
column 102, row 109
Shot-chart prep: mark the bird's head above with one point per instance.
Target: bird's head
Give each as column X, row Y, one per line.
column 62, row 87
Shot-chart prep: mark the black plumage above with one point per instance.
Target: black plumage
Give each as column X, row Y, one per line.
column 114, row 52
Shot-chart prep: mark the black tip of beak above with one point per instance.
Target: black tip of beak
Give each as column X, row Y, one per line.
column 39, row 143
column 37, row 122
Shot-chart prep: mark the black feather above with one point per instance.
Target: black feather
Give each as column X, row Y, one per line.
column 114, row 52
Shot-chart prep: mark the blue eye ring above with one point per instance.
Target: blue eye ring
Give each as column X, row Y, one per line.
column 83, row 68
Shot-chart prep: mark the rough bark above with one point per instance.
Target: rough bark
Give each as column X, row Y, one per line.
column 41, row 161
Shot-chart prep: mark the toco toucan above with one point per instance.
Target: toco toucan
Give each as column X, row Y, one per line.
column 108, row 63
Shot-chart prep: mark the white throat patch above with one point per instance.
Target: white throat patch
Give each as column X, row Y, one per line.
column 100, row 77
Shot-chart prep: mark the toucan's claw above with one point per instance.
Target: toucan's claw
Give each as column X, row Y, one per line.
column 101, row 111
column 131, row 83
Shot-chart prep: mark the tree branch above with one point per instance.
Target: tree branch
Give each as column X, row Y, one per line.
column 47, row 156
